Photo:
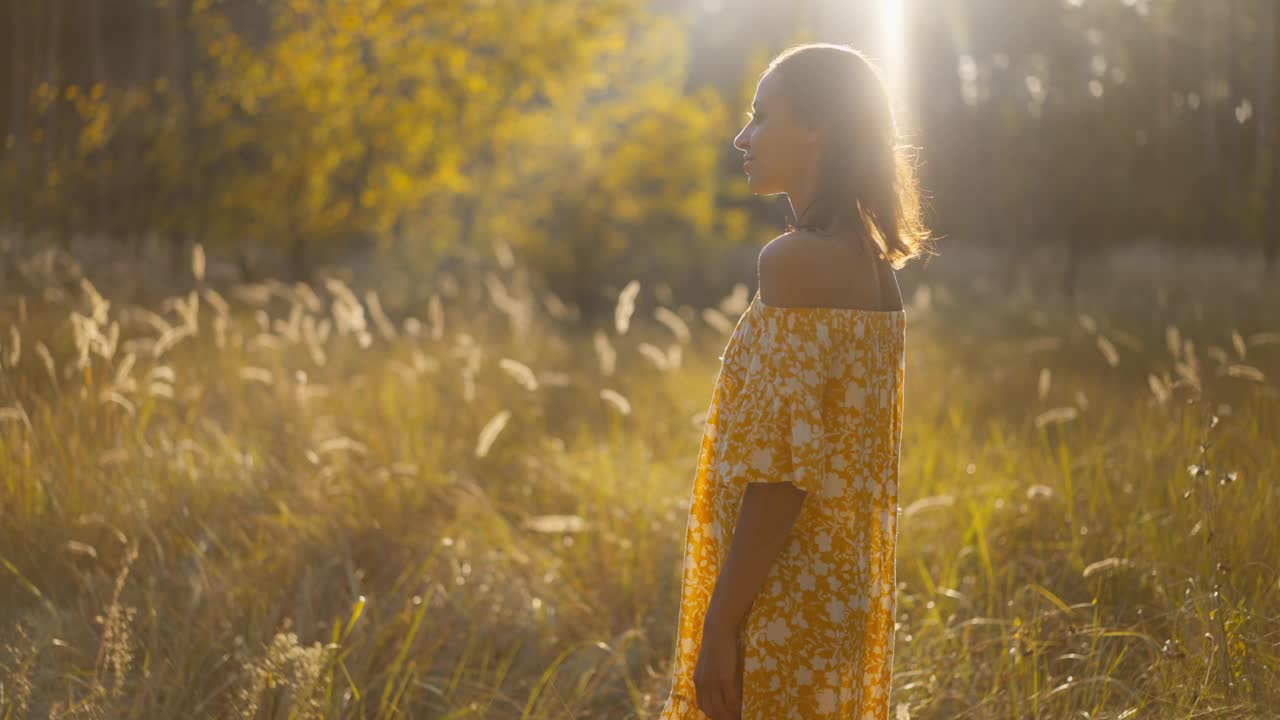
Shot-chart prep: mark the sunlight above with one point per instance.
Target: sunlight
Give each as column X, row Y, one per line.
column 892, row 52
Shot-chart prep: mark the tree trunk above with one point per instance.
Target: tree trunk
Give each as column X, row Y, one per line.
column 298, row 257
column 138, row 217
column 1236, row 171
column 1211, row 186
column 176, row 102
column 1271, row 228
column 1071, row 266
column 97, row 56
column 1161, row 23
column 20, row 96
column 52, row 77
column 98, row 71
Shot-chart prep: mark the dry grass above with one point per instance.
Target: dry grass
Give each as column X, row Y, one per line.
column 288, row 501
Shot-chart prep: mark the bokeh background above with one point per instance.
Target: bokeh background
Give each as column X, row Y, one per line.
column 354, row 353
column 595, row 139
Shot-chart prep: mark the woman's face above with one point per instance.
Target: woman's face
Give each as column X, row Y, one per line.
column 778, row 148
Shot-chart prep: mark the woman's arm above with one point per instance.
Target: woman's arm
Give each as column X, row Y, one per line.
column 786, row 271
column 764, row 523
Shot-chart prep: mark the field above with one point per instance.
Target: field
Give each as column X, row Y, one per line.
column 278, row 500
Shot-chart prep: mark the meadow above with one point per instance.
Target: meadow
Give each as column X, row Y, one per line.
column 286, row 500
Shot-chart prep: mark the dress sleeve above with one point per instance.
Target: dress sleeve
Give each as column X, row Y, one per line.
column 780, row 427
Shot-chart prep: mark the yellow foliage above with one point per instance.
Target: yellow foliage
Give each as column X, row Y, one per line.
column 354, row 119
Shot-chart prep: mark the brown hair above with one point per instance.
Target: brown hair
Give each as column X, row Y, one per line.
column 866, row 177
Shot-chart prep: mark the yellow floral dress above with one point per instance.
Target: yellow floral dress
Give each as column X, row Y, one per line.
column 812, row 396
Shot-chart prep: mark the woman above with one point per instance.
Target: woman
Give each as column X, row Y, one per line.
column 787, row 604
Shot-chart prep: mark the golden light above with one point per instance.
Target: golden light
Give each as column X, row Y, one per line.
column 893, row 51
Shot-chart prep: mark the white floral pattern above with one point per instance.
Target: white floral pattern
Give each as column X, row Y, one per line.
column 811, row 396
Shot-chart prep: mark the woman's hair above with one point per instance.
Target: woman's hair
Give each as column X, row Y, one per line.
column 866, row 178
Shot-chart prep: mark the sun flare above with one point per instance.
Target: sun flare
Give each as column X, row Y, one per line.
column 893, row 50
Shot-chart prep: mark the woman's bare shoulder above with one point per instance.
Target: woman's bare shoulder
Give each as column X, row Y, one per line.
column 803, row 269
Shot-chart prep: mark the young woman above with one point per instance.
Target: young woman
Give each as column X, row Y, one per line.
column 787, row 604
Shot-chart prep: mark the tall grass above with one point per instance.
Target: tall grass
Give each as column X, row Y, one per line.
column 280, row 501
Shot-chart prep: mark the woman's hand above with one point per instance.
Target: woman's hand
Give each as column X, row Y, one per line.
column 716, row 680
